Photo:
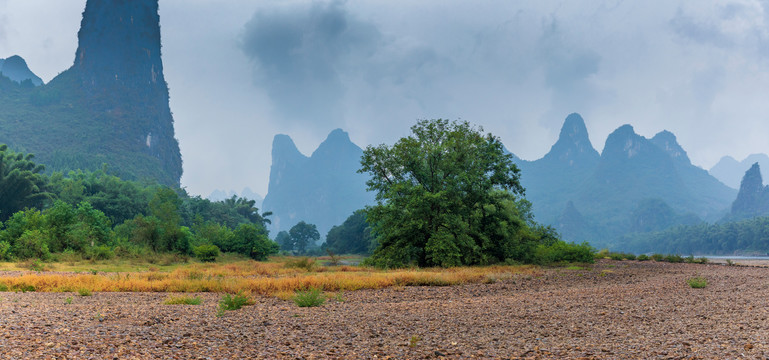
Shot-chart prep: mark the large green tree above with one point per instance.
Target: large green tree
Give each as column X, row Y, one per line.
column 303, row 235
column 447, row 195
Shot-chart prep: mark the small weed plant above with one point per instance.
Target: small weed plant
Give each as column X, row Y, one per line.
column 68, row 300
column 233, row 302
column 310, row 298
column 697, row 282
column 84, row 292
column 183, row 300
column 414, row 341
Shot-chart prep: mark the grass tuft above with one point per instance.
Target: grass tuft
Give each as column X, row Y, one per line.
column 310, row 298
column 84, row 292
column 233, row 302
column 697, row 282
column 183, row 300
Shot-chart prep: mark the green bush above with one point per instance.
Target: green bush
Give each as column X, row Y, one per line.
column 5, row 250
column 563, row 252
column 206, row 252
column 642, row 257
column 658, row 257
column 309, row 298
column 630, row 256
column 32, row 244
column 617, row 256
column 234, row 302
column 697, row 282
column 101, row 252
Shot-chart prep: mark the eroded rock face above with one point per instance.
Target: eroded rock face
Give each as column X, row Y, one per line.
column 118, row 64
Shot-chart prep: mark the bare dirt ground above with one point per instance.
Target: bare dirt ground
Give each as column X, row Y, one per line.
column 615, row 310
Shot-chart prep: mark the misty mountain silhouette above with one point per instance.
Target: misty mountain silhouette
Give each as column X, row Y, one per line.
column 322, row 189
column 730, row 171
column 16, row 69
column 753, row 197
column 596, row 198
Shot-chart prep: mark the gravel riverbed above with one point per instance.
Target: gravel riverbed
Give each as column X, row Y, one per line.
column 612, row 310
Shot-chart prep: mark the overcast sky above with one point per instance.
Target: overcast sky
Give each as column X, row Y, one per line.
column 240, row 72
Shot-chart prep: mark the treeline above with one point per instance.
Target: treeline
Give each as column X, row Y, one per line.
column 99, row 216
column 750, row 236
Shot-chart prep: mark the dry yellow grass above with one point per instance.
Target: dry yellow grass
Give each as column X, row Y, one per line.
column 274, row 278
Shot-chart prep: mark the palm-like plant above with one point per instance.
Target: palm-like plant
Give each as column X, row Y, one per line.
column 22, row 183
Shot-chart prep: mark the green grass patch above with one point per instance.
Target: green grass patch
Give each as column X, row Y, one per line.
column 183, row 300
column 697, row 282
column 309, row 298
column 84, row 292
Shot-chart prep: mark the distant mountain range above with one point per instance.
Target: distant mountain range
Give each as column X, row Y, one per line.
column 322, row 189
column 596, row 198
column 110, row 108
column 730, row 171
column 635, row 185
column 16, row 69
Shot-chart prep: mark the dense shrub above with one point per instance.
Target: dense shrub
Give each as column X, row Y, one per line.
column 617, row 256
column 563, row 252
column 5, row 250
column 206, row 252
column 642, row 257
column 32, row 244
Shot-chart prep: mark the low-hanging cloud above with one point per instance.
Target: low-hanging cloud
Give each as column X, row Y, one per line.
column 303, row 53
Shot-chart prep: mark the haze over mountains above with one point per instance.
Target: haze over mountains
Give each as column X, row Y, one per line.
column 322, row 189
column 16, row 69
column 730, row 171
column 635, row 185
column 595, row 198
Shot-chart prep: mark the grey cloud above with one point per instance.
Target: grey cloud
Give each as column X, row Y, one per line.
column 698, row 30
column 302, row 54
column 568, row 67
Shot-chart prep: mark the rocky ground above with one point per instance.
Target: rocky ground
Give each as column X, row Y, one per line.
column 615, row 310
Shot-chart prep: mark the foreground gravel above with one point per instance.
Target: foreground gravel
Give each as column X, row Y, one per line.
column 615, row 310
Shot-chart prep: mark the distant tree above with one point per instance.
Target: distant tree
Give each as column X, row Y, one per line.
column 252, row 240
column 22, row 183
column 446, row 196
column 303, row 235
column 284, row 240
column 351, row 237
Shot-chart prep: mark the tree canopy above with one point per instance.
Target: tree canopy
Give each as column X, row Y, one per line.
column 448, row 195
column 22, row 183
